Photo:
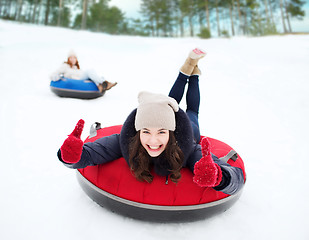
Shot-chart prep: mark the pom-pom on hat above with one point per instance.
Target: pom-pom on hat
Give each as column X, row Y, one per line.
column 155, row 110
column 72, row 53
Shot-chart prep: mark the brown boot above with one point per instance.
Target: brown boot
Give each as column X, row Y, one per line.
column 109, row 85
column 196, row 71
column 191, row 61
column 101, row 87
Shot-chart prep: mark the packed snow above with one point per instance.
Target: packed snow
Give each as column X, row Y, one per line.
column 255, row 97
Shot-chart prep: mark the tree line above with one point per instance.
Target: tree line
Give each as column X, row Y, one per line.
column 162, row 18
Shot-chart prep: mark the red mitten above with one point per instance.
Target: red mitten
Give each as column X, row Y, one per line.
column 206, row 172
column 71, row 149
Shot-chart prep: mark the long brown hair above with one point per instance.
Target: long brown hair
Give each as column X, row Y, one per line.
column 71, row 65
column 140, row 163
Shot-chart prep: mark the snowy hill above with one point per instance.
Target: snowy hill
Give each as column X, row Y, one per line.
column 255, row 97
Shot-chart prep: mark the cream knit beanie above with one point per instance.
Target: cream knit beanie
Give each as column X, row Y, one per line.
column 72, row 53
column 155, row 110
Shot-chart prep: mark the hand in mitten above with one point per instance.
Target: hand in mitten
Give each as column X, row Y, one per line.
column 54, row 77
column 71, row 149
column 206, row 172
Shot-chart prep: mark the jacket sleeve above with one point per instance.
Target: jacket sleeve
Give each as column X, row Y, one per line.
column 61, row 70
column 232, row 177
column 101, row 151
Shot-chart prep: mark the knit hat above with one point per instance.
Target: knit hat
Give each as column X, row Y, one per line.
column 72, row 53
column 155, row 110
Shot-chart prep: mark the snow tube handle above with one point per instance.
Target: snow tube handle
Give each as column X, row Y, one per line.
column 231, row 155
column 93, row 129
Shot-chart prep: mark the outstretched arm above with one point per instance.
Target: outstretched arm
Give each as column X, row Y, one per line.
column 210, row 171
column 75, row 154
column 55, row 76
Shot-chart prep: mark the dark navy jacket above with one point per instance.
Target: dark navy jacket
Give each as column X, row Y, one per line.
column 112, row 147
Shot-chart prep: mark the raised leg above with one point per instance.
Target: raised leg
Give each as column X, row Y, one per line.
column 193, row 104
column 193, row 94
column 189, row 73
column 178, row 88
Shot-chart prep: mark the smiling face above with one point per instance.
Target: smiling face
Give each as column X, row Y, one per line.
column 72, row 60
column 154, row 140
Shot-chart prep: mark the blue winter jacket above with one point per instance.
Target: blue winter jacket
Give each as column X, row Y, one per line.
column 112, row 147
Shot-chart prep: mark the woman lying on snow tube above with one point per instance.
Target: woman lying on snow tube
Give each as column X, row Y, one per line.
column 157, row 140
column 70, row 81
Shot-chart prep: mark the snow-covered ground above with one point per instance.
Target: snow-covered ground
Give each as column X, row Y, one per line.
column 255, row 97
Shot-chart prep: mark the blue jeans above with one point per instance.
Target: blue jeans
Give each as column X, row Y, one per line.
column 192, row 98
column 92, row 75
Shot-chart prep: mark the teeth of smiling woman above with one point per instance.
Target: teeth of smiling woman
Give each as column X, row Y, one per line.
column 153, row 147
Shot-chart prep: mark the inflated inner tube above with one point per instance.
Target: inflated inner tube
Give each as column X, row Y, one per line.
column 113, row 186
column 84, row 89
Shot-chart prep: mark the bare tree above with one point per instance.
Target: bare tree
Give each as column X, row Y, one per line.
column 239, row 14
column 34, row 12
column 287, row 16
column 271, row 15
column 266, row 10
column 47, row 12
column 282, row 16
column 1, row 7
column 230, row 5
column 217, row 17
column 84, row 16
column 59, row 13
column 232, row 22
column 39, row 12
column 207, row 15
column 20, row 8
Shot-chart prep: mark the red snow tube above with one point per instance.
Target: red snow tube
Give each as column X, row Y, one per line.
column 113, row 186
